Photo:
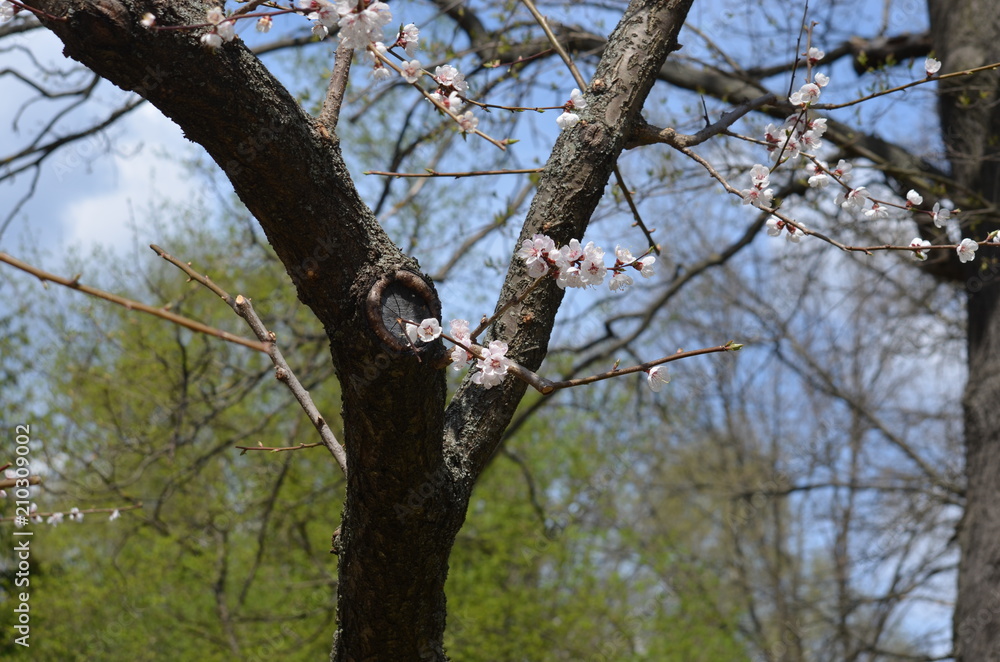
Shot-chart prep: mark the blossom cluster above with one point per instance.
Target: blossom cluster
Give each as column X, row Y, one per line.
column 56, row 518
column 451, row 83
column 491, row 361
column 776, row 226
column 796, row 134
column 569, row 119
column 580, row 266
column 360, row 23
column 758, row 195
column 223, row 30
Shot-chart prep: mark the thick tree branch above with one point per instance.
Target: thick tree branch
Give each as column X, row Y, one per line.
column 568, row 193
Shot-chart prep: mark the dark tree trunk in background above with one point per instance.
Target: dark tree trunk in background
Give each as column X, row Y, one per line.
column 967, row 34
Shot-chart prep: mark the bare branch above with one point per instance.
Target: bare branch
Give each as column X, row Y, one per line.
column 180, row 320
column 241, row 305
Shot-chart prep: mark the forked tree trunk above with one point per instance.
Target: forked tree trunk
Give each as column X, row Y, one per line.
column 411, row 462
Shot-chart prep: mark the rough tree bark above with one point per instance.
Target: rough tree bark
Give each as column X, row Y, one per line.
column 967, row 34
column 400, row 440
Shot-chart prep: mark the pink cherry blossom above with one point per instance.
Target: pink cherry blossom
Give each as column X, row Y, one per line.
column 460, row 332
column 806, row 95
column 592, row 269
column 468, row 122
column 449, row 76
column 645, row 265
column 360, row 27
column 876, row 212
column 408, row 38
column 411, row 71
column 843, row 170
column 853, row 200
column 794, row 235
column 620, row 281
column 492, row 364
column 534, row 251
column 760, row 175
column 211, row 40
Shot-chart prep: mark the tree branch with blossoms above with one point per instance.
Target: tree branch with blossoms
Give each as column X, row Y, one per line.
column 797, row 135
column 493, row 364
column 572, row 265
column 73, row 514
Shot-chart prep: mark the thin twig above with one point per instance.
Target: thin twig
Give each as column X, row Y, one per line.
column 471, row 173
column 544, row 24
column 186, row 322
column 653, row 246
column 642, row 367
column 241, row 305
column 278, row 449
column 38, row 12
column 899, row 88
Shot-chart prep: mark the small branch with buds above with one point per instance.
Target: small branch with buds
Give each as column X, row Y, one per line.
column 278, row 449
column 241, row 305
column 647, row 134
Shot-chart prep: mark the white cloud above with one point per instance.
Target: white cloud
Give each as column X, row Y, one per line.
column 139, row 174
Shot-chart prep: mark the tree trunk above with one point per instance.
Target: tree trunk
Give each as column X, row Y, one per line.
column 411, row 464
column 967, row 34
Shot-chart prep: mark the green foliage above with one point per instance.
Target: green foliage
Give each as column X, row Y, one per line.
column 229, row 556
column 549, row 566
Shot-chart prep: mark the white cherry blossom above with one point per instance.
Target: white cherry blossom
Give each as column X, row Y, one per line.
column 940, row 214
column 967, row 250
column 657, row 376
column 919, row 243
